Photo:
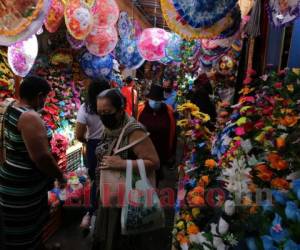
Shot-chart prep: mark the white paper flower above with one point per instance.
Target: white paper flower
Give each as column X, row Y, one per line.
column 229, row 207
column 223, row 226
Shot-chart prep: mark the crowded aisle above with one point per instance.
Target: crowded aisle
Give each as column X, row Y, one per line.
column 149, row 124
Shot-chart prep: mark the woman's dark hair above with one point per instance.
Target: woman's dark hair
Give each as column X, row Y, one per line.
column 94, row 89
column 32, row 86
column 116, row 98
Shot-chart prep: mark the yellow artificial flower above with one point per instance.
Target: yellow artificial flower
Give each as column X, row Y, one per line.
column 290, row 88
column 201, row 116
column 180, row 225
column 296, row 71
column 188, row 106
column 183, row 122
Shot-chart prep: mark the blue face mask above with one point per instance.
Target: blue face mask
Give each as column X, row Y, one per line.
column 155, row 104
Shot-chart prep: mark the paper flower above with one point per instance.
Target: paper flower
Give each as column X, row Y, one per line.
column 55, row 16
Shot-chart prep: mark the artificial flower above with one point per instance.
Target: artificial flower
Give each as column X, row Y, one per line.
column 229, row 207
column 277, row 233
column 290, row 88
column 280, row 197
column 291, row 245
column 183, row 123
column 278, row 85
column 192, row 229
column 268, row 242
column 210, row 163
column 291, row 210
column 280, row 183
column 265, row 173
column 280, row 142
column 277, row 162
column 289, row 120
column 223, row 226
column 196, row 212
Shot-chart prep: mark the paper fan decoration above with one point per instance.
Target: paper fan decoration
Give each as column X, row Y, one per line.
column 203, row 13
column 283, row 12
column 78, row 19
column 128, row 55
column 75, row 44
column 102, row 40
column 245, row 6
column 176, row 24
column 20, row 19
column 55, row 16
column 21, row 56
column 94, row 66
column 105, row 12
column 152, row 44
column 173, row 49
column 125, row 26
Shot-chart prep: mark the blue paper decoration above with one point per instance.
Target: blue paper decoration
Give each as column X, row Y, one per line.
column 173, row 49
column 125, row 26
column 94, row 66
column 203, row 13
column 128, row 55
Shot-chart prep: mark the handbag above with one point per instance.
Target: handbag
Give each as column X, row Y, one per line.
column 112, row 182
column 142, row 211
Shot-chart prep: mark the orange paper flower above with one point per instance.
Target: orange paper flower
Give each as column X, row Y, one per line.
column 289, row 120
column 280, row 142
column 193, row 229
column 210, row 163
column 265, row 173
column 280, row 183
column 277, row 162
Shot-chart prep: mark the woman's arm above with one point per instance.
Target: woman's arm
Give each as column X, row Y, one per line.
column 144, row 150
column 81, row 132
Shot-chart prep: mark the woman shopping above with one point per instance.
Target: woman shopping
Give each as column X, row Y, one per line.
column 88, row 130
column 131, row 138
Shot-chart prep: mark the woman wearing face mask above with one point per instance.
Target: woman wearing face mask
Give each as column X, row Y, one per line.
column 159, row 120
column 136, row 144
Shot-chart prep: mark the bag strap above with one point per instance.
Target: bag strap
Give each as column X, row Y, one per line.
column 142, row 170
column 132, row 144
column 121, row 136
column 128, row 177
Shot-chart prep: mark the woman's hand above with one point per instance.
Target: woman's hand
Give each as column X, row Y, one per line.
column 113, row 162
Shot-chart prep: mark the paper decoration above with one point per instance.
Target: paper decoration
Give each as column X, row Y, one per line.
column 75, row 43
column 62, row 57
column 152, row 44
column 102, row 40
column 235, row 27
column 173, row 49
column 94, row 66
column 88, row 3
column 203, row 13
column 125, row 26
column 21, row 56
column 55, row 16
column 176, row 24
column 283, row 12
column 226, row 65
column 15, row 27
column 128, row 55
column 105, row 12
column 78, row 19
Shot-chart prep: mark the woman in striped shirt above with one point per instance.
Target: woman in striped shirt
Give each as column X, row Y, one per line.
column 28, row 169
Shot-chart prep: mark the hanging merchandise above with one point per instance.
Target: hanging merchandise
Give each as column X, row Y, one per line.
column 226, row 65
column 283, row 12
column 203, row 13
column 152, row 43
column 78, row 18
column 102, row 40
column 55, row 16
column 21, row 56
column 177, row 24
column 94, row 66
column 125, row 26
column 173, row 49
column 75, row 43
column 89, row 3
column 61, row 57
column 128, row 55
column 6, row 77
column 20, row 19
column 105, row 12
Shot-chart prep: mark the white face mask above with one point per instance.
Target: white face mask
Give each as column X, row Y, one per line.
column 156, row 105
